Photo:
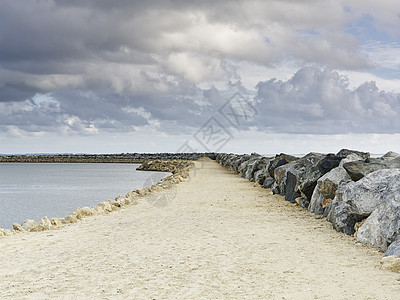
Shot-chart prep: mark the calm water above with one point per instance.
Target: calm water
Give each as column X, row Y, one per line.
column 32, row 191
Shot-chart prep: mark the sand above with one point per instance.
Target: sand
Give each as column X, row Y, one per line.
column 214, row 236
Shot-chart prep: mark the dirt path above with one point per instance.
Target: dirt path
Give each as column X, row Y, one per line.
column 219, row 238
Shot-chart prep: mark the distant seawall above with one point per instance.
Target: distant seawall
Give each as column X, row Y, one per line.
column 103, row 158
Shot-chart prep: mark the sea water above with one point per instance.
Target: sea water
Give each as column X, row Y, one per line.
column 35, row 190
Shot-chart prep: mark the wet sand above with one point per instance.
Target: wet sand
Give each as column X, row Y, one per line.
column 214, row 236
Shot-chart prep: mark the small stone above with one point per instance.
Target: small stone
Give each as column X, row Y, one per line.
column 18, row 227
column 391, row 263
column 71, row 218
column 106, row 206
column 82, row 212
column 30, row 225
column 44, row 224
column 394, row 248
column 56, row 222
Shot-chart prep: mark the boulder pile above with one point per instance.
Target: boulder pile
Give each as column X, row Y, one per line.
column 358, row 194
column 178, row 168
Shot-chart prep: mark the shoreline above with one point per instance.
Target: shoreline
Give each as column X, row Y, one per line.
column 178, row 168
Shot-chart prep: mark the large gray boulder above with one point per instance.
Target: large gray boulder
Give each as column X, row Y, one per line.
column 315, row 205
column 390, row 155
column 299, row 178
column 329, row 182
column 280, row 160
column 359, row 169
column 245, row 163
column 238, row 160
column 347, row 152
column 254, row 165
column 262, row 170
column 260, row 175
column 394, row 248
column 327, row 185
column 355, row 201
column 382, row 227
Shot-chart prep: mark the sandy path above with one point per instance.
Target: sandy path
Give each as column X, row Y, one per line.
column 220, row 238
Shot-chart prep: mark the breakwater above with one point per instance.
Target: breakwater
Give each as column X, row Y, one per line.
column 103, row 158
column 358, row 194
column 178, row 168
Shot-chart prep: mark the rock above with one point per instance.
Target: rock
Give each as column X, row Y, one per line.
column 311, row 175
column 346, row 152
column 359, row 169
column 132, row 196
column 248, row 164
column 299, row 177
column 123, row 201
column 259, row 176
column 116, row 205
column 236, row 160
column 330, row 162
column 6, row 232
column 315, row 205
column 71, row 218
column 350, row 158
column 82, row 212
column 280, row 160
column 291, row 187
column 391, row 263
column 56, row 222
column 394, row 248
column 340, row 217
column 18, row 227
column 382, row 227
column 329, row 182
column 268, row 182
column 327, row 185
column 391, row 155
column 44, row 224
column 258, row 164
column 105, row 206
column 357, row 200
column 30, row 225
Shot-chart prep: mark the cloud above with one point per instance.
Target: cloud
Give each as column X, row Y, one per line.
column 94, row 67
column 125, row 46
column 321, row 102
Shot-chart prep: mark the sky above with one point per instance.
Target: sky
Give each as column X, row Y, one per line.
column 267, row 76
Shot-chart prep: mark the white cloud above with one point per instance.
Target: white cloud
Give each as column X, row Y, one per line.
column 321, row 102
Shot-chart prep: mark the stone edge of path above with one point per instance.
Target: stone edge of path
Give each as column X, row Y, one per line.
column 179, row 169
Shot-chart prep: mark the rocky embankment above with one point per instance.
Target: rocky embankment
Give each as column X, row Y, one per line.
column 358, row 194
column 102, row 158
column 178, row 168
